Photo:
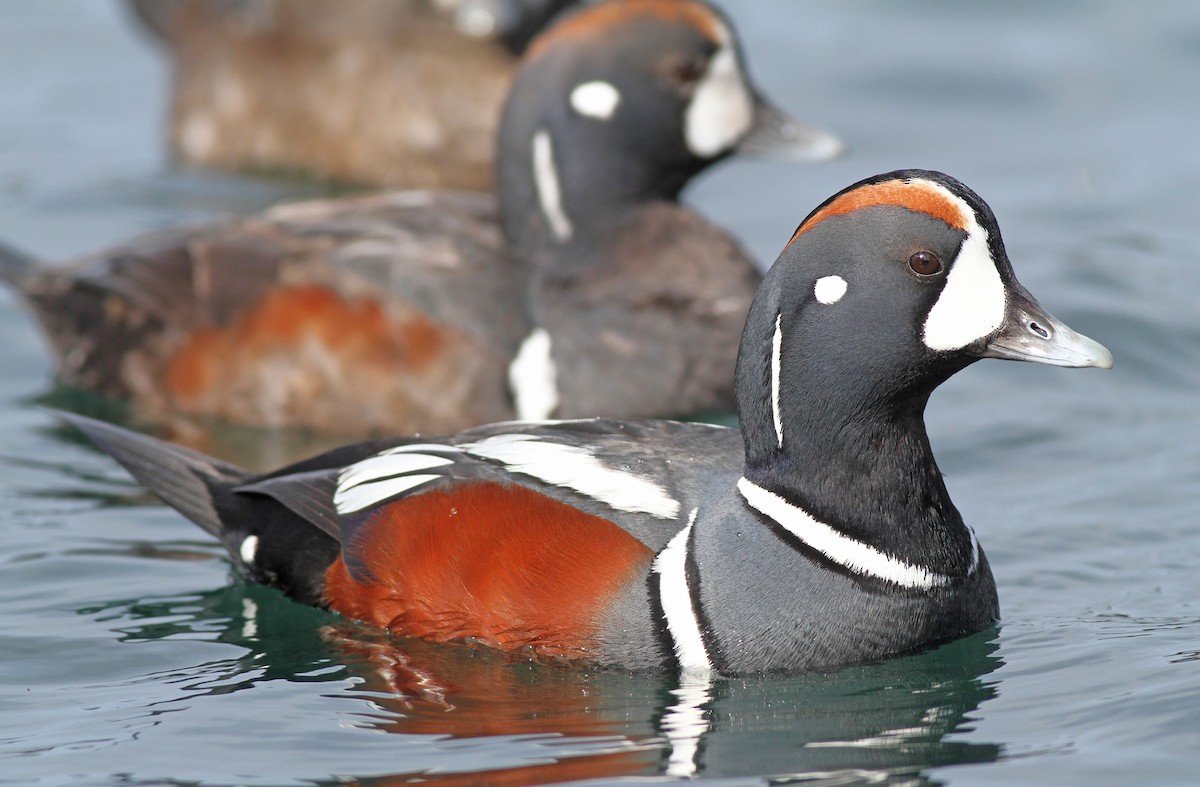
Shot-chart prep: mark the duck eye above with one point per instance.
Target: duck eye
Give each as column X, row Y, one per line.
column 925, row 263
column 683, row 71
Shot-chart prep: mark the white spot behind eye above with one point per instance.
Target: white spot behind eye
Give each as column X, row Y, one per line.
column 830, row 289
column 545, row 178
column 595, row 99
column 721, row 111
column 249, row 549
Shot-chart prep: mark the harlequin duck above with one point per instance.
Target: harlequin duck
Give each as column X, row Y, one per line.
column 397, row 94
column 406, row 312
column 819, row 535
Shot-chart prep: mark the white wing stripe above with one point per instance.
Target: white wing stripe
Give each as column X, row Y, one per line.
column 574, row 467
column 568, row 466
column 368, row 493
column 387, row 465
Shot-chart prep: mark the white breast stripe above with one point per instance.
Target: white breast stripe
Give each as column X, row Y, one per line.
column 369, row 493
column 974, row 552
column 776, row 363
column 676, row 600
column 545, row 178
column 574, row 467
column 843, row 550
column 533, row 378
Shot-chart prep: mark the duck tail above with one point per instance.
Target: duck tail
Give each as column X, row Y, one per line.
column 16, row 265
column 185, row 479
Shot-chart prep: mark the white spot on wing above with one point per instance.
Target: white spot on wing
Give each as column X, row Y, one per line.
column 595, row 99
column 574, row 467
column 776, row 363
column 545, row 178
column 973, row 301
column 721, row 111
column 248, row 550
column 533, row 379
column 676, row 599
column 830, row 289
column 843, row 550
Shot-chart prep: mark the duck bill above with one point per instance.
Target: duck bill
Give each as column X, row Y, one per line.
column 1030, row 333
column 776, row 134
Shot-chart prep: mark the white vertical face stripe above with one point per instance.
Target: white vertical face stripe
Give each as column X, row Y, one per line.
column 676, row 599
column 549, row 192
column 595, row 99
column 533, row 378
column 845, row 551
column 574, row 467
column 721, row 111
column 776, row 363
column 973, row 301
column 829, row 289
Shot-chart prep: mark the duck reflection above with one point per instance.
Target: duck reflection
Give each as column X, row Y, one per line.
column 880, row 722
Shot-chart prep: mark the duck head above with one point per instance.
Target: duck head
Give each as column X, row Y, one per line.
column 883, row 292
column 622, row 103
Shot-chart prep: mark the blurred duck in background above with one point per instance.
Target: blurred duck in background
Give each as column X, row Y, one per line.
column 589, row 290
column 386, row 92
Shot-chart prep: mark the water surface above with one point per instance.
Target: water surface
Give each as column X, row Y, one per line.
column 129, row 654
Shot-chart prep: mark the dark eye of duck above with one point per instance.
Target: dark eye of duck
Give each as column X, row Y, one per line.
column 925, row 263
column 682, row 71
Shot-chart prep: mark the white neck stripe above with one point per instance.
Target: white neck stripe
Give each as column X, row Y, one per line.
column 776, row 362
column 549, row 192
column 858, row 557
column 676, row 599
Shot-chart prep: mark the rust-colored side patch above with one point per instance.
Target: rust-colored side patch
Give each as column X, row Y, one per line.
column 601, row 19
column 286, row 318
column 500, row 565
column 916, row 196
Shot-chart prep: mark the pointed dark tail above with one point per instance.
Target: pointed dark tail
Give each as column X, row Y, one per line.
column 15, row 265
column 183, row 478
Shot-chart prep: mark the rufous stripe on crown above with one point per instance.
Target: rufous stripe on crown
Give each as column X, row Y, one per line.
column 916, row 195
column 602, row 18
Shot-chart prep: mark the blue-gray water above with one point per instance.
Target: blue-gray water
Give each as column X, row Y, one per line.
column 128, row 654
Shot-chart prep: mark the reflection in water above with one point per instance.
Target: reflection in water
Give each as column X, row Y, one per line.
column 254, row 448
column 882, row 722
